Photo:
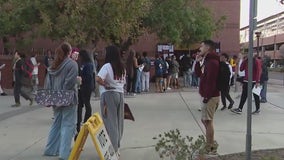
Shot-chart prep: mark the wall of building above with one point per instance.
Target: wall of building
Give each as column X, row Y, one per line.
column 229, row 36
column 271, row 37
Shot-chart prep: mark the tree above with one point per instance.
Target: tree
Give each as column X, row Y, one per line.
column 181, row 22
column 82, row 22
column 16, row 19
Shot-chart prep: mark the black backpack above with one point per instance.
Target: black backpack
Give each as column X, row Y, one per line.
column 147, row 64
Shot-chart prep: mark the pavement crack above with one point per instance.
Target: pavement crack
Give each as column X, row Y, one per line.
column 138, row 147
column 13, row 113
column 194, row 117
column 25, row 149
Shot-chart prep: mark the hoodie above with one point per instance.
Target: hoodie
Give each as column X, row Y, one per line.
column 208, row 73
column 63, row 78
column 256, row 70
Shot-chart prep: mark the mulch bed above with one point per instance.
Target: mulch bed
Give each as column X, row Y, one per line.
column 270, row 154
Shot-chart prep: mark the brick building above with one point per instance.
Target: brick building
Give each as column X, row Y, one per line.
column 271, row 36
column 228, row 38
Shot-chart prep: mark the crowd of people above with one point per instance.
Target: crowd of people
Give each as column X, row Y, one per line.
column 129, row 73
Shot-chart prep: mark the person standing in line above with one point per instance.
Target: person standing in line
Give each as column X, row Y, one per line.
column 205, row 68
column 195, row 79
column 21, row 86
column 175, row 72
column 131, row 64
column 170, row 72
column 95, row 72
column 35, row 81
column 255, row 83
column 62, row 75
column 146, row 72
column 111, row 79
column 165, row 67
column 138, row 69
column 233, row 63
column 186, row 64
column 225, row 81
column 158, row 73
column 2, row 93
column 84, row 94
column 48, row 59
column 263, row 80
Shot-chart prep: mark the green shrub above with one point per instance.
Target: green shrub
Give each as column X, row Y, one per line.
column 172, row 145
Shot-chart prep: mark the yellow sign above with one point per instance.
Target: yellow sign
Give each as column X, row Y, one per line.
column 100, row 138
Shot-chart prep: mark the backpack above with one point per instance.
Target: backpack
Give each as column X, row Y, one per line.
column 27, row 69
column 158, row 67
column 186, row 63
column 223, row 79
column 147, row 64
column 165, row 66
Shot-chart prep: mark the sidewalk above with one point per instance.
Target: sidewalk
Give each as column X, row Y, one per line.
column 24, row 130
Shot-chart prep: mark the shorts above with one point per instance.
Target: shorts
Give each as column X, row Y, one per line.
column 175, row 75
column 208, row 109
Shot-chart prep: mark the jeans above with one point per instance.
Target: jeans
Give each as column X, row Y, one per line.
column 138, row 81
column 194, row 81
column 263, row 91
column 187, row 78
column 145, row 81
column 62, row 132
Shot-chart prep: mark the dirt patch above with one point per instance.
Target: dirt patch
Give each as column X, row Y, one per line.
column 271, row 154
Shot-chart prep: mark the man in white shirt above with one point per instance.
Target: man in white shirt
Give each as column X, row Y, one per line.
column 35, row 81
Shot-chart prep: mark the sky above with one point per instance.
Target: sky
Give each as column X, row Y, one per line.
column 265, row 9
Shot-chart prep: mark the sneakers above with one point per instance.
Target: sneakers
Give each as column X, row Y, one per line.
column 263, row 101
column 223, row 108
column 3, row 94
column 231, row 105
column 256, row 112
column 237, row 111
column 16, row 105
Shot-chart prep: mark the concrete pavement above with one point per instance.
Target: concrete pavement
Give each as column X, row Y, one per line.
column 24, row 130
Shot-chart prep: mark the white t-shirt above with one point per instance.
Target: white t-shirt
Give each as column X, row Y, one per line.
column 34, row 62
column 106, row 74
column 231, row 69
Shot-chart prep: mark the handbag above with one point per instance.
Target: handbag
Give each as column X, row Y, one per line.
column 55, row 98
column 127, row 113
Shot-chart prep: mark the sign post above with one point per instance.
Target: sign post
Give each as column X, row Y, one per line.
column 95, row 127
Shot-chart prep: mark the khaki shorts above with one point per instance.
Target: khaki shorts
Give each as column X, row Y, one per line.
column 208, row 109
